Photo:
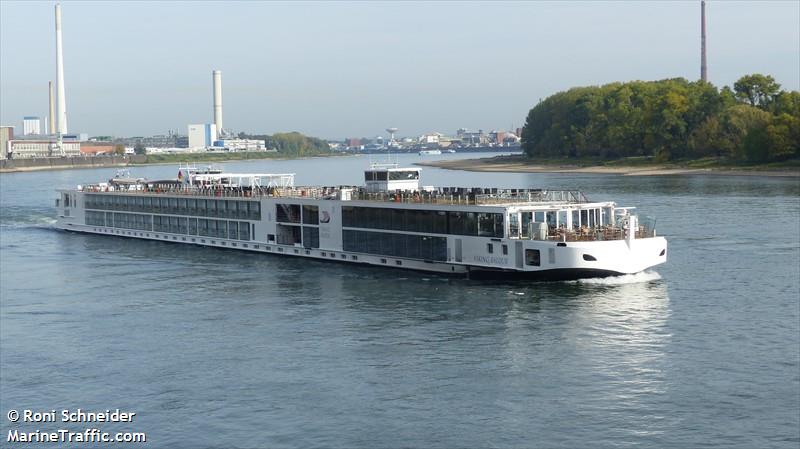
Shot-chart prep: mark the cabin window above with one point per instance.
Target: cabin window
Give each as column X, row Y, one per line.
column 505, row 250
column 513, row 225
column 585, row 217
column 310, row 214
column 222, row 229
column 288, row 213
column 241, row 209
column 576, row 220
column 310, row 237
column 271, row 238
column 233, row 209
column 202, row 227
column 289, row 235
column 489, row 248
column 533, row 257
column 254, row 210
column 233, row 230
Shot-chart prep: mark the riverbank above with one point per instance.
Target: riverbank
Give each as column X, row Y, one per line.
column 521, row 164
column 67, row 163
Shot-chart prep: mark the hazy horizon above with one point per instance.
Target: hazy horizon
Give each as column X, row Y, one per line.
column 347, row 69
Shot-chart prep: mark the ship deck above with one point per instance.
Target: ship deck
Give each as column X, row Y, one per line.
column 472, row 196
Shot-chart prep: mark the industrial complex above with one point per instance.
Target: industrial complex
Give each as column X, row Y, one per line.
column 49, row 137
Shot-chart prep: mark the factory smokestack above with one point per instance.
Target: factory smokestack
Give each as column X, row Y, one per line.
column 703, row 66
column 217, row 78
column 61, row 106
column 51, row 126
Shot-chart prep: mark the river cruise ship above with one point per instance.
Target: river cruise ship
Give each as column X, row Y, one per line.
column 390, row 221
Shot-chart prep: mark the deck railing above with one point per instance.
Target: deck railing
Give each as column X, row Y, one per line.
column 441, row 195
column 607, row 232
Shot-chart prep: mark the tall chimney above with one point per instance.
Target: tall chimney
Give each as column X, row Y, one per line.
column 703, row 66
column 51, row 127
column 217, row 77
column 61, row 106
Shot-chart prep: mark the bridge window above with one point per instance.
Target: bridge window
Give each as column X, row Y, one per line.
column 403, row 175
column 375, row 176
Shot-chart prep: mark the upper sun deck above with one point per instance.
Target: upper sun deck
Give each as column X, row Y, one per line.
column 400, row 185
column 474, row 196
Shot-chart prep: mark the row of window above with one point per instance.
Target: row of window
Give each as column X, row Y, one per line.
column 396, row 245
column 250, row 210
column 236, row 230
column 429, row 221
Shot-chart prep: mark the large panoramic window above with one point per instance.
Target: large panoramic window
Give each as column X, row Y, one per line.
column 397, row 245
column 423, row 221
column 490, row 225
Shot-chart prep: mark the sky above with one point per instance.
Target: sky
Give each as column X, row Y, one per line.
column 351, row 69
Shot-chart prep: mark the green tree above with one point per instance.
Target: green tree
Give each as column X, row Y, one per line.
column 756, row 90
column 119, row 149
column 783, row 137
column 139, row 148
column 744, row 133
column 787, row 103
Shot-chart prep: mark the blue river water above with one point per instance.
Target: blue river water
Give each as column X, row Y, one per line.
column 218, row 348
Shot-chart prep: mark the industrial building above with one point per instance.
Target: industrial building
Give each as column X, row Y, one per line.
column 28, row 148
column 203, row 135
column 241, row 144
column 6, row 135
column 31, row 126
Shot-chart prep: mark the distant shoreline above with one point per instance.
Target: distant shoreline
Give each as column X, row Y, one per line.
column 519, row 164
column 112, row 162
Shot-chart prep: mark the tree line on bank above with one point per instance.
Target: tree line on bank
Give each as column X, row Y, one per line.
column 292, row 143
column 669, row 120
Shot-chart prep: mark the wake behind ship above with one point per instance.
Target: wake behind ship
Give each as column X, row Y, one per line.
column 389, row 221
